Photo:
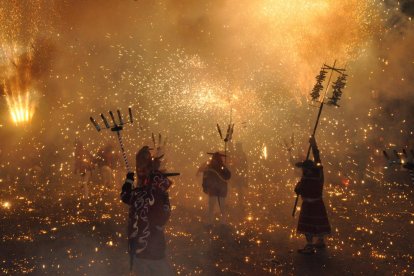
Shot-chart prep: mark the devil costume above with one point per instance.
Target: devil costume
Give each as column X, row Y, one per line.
column 215, row 177
column 313, row 219
column 149, row 211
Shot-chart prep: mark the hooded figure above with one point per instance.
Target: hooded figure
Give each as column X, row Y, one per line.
column 83, row 166
column 215, row 178
column 149, row 211
column 240, row 169
column 107, row 160
column 313, row 219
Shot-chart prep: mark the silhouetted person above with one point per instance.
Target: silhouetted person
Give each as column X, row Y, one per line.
column 240, row 173
column 107, row 161
column 83, row 166
column 313, row 219
column 149, row 211
column 215, row 178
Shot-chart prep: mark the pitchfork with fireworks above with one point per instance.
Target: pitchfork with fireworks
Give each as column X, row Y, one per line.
column 404, row 159
column 227, row 138
column 116, row 127
column 333, row 100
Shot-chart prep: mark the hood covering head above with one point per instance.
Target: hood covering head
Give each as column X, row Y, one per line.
column 217, row 159
column 143, row 160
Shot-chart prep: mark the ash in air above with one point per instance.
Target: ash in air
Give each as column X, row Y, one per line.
column 213, row 104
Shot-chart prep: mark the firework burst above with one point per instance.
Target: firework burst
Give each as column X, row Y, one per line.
column 21, row 107
column 17, row 82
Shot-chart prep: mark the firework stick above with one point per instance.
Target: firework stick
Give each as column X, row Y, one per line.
column 98, row 128
column 123, row 151
column 130, row 115
column 219, row 131
column 153, row 139
column 225, row 151
column 113, row 118
column 105, row 121
column 228, row 133
column 120, row 117
column 296, row 204
column 159, row 139
column 314, row 131
column 231, row 132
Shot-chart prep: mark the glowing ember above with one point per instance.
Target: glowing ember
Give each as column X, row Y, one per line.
column 6, row 205
column 17, row 82
column 264, row 152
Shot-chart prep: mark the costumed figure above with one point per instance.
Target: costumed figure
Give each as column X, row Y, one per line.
column 215, row 177
column 240, row 169
column 149, row 211
column 313, row 219
column 83, row 166
column 106, row 161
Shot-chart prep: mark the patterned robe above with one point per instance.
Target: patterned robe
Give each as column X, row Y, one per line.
column 148, row 213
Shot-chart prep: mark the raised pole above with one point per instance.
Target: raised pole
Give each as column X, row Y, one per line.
column 321, row 106
column 123, row 151
column 316, row 124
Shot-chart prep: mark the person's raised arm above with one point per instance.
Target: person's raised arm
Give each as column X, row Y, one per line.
column 315, row 150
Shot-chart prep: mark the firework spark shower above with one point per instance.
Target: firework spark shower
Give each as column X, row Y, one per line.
column 184, row 67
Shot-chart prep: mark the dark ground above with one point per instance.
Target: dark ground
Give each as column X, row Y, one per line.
column 49, row 231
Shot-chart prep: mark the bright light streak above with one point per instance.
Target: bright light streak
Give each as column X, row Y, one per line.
column 264, row 151
column 21, row 107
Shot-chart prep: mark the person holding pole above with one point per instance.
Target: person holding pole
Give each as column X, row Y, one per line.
column 83, row 166
column 149, row 212
column 313, row 219
column 215, row 177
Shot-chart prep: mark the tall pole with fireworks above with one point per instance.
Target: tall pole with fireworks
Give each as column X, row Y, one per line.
column 116, row 127
column 333, row 100
column 227, row 138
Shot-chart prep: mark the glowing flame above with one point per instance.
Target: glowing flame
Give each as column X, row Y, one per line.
column 6, row 205
column 264, row 152
column 17, row 83
column 21, row 107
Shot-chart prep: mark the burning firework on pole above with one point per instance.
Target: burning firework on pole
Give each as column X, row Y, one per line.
column 118, row 127
column 115, row 127
column 337, row 87
column 227, row 138
column 17, row 83
column 21, row 107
